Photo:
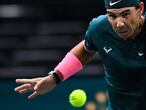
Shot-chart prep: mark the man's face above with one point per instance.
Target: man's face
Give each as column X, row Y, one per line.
column 125, row 21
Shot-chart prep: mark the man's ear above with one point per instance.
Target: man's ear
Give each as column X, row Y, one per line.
column 141, row 6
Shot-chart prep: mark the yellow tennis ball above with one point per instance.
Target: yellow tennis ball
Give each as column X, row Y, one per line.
column 77, row 98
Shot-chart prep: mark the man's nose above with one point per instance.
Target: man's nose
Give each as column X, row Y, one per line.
column 119, row 22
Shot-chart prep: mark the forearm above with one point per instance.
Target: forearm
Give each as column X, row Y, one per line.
column 73, row 61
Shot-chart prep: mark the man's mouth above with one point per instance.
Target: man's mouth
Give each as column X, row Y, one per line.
column 122, row 31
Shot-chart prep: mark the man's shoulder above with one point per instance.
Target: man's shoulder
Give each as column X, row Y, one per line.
column 99, row 22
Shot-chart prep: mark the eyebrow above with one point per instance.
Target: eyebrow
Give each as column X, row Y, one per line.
column 128, row 10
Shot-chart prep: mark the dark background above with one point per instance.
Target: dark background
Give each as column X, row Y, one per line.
column 35, row 35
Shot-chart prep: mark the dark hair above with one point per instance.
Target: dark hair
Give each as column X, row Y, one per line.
column 137, row 7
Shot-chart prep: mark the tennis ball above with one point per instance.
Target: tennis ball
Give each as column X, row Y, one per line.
column 77, row 98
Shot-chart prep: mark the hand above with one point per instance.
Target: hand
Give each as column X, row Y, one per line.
column 39, row 86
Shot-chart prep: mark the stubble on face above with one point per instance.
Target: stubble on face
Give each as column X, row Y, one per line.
column 126, row 22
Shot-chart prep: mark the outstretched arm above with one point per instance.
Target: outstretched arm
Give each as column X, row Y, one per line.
column 45, row 84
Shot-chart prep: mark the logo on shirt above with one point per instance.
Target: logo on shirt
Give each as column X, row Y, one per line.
column 140, row 54
column 113, row 3
column 107, row 49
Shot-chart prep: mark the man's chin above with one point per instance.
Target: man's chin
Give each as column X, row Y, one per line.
column 123, row 35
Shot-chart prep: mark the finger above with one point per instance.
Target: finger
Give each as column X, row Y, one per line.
column 33, row 95
column 21, row 81
column 23, row 91
column 24, row 86
column 39, row 85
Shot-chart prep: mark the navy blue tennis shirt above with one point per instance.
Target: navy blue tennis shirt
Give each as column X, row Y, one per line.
column 124, row 62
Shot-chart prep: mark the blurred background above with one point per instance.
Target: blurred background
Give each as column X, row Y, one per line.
column 34, row 36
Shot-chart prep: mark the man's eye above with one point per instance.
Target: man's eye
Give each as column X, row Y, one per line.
column 125, row 14
column 112, row 16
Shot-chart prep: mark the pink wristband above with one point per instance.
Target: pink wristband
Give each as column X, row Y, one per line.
column 69, row 66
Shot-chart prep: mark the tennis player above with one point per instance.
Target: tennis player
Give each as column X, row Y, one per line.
column 120, row 38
